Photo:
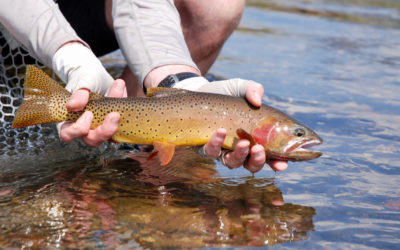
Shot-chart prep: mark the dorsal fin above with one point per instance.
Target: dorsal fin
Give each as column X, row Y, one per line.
column 160, row 91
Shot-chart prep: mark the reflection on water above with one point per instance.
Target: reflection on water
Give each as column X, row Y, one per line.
column 332, row 64
column 131, row 202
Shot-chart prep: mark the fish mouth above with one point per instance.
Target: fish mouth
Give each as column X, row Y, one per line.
column 299, row 150
column 308, row 144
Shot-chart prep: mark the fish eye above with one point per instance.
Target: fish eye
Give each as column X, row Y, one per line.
column 299, row 132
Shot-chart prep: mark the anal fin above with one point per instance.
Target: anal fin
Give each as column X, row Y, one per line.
column 164, row 150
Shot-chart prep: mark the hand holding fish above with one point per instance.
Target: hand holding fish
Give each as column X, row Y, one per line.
column 83, row 72
column 252, row 158
column 81, row 128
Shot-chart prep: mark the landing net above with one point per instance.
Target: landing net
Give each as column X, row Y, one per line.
column 39, row 140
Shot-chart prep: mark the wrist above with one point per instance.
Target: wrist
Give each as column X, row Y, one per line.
column 171, row 80
column 155, row 76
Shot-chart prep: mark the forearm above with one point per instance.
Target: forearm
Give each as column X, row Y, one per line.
column 151, row 39
column 38, row 25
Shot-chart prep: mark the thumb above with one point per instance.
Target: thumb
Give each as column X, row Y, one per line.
column 254, row 93
column 78, row 100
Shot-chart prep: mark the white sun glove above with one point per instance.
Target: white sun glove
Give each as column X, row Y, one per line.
column 233, row 87
column 79, row 68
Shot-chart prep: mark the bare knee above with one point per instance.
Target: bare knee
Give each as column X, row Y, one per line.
column 217, row 16
column 206, row 25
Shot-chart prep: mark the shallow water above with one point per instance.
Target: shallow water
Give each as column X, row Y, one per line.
column 334, row 65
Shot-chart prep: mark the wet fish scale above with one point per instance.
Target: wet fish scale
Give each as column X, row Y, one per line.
column 144, row 120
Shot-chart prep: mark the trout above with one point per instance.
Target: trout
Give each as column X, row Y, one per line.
column 167, row 118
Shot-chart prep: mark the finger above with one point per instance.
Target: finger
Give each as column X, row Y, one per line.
column 277, row 202
column 257, row 159
column 118, row 89
column 103, row 132
column 254, row 93
column 213, row 146
column 78, row 129
column 237, row 157
column 78, row 100
column 278, row 165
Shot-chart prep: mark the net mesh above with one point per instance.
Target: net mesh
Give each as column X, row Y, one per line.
column 36, row 141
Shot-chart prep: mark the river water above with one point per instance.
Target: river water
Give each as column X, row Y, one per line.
column 334, row 65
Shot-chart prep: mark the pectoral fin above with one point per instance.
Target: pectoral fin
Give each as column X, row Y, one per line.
column 164, row 150
column 244, row 135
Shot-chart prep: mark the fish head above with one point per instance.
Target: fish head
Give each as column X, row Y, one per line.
column 286, row 139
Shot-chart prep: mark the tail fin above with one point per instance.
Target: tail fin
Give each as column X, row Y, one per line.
column 38, row 88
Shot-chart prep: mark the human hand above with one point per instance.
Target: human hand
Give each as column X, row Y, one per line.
column 77, row 66
column 81, row 128
column 239, row 156
column 83, row 72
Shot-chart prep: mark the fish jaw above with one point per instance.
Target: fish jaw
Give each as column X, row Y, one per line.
column 299, row 150
column 282, row 142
